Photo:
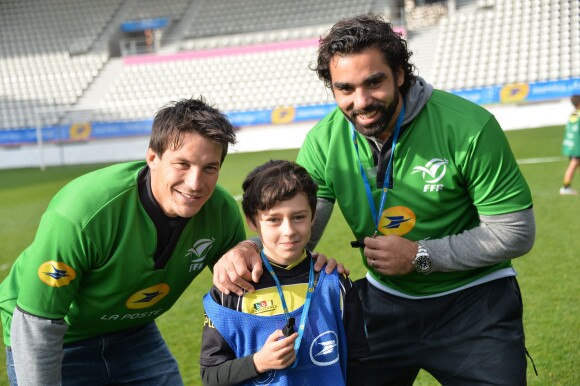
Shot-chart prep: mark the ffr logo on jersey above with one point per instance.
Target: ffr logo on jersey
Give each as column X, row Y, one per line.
column 198, row 253
column 432, row 173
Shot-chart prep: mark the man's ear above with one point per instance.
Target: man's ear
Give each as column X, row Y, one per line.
column 400, row 77
column 151, row 159
column 251, row 224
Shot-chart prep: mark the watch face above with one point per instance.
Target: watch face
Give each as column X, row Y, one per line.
column 423, row 263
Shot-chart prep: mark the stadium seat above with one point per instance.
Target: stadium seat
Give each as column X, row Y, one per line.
column 52, row 55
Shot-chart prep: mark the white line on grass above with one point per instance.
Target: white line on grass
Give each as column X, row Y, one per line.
column 540, row 160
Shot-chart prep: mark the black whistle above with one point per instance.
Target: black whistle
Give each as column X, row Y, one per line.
column 357, row 244
column 289, row 327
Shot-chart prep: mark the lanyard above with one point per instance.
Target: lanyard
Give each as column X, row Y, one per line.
column 376, row 215
column 307, row 302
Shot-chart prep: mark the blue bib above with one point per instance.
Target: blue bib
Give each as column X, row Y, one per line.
column 322, row 353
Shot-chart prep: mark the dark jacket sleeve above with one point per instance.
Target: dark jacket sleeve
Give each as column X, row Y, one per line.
column 230, row 372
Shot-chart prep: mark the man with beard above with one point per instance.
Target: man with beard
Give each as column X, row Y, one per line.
column 429, row 186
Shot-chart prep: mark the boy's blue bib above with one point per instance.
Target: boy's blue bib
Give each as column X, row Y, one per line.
column 322, row 352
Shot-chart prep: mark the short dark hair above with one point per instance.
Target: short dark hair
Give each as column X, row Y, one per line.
column 354, row 35
column 575, row 99
column 273, row 182
column 190, row 116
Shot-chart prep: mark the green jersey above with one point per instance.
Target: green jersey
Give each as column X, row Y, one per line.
column 95, row 260
column 450, row 164
column 571, row 143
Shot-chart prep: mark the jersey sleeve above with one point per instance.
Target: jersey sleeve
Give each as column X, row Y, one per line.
column 312, row 157
column 493, row 177
column 52, row 267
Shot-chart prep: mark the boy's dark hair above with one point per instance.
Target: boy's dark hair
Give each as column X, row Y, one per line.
column 273, row 182
column 354, row 35
column 190, row 116
column 575, row 99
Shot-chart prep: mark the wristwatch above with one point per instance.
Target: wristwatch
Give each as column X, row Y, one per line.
column 422, row 261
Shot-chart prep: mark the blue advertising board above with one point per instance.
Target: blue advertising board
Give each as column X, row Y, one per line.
column 144, row 24
column 522, row 92
column 510, row 93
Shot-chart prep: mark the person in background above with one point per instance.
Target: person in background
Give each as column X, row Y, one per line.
column 571, row 147
column 114, row 250
column 438, row 207
column 297, row 326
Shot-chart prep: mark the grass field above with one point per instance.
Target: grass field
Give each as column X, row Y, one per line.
column 548, row 275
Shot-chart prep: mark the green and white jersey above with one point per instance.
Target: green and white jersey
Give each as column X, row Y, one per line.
column 571, row 142
column 92, row 261
column 451, row 163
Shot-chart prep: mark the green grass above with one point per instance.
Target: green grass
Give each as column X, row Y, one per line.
column 548, row 275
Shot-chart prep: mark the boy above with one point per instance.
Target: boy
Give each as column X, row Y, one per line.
column 295, row 327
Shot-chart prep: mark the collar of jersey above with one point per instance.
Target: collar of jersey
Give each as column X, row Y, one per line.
column 294, row 264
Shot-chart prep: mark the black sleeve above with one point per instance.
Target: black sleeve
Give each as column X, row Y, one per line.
column 218, row 362
column 231, row 372
column 354, row 323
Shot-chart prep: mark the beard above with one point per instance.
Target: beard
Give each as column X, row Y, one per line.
column 386, row 112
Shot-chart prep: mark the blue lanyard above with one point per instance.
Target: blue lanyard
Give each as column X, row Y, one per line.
column 307, row 302
column 376, row 215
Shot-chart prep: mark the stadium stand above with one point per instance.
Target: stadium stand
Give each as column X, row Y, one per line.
column 59, row 55
column 509, row 42
column 45, row 54
column 242, row 79
column 148, row 9
column 223, row 17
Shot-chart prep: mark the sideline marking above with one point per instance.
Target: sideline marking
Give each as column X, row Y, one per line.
column 540, row 160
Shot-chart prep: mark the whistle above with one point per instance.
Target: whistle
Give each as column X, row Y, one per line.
column 357, row 244
column 289, row 327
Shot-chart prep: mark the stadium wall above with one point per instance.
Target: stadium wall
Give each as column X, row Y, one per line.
column 250, row 138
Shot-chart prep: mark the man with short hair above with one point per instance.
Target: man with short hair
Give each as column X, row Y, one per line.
column 114, row 250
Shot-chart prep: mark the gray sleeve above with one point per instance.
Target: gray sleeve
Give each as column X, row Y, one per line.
column 496, row 239
column 36, row 345
column 321, row 217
